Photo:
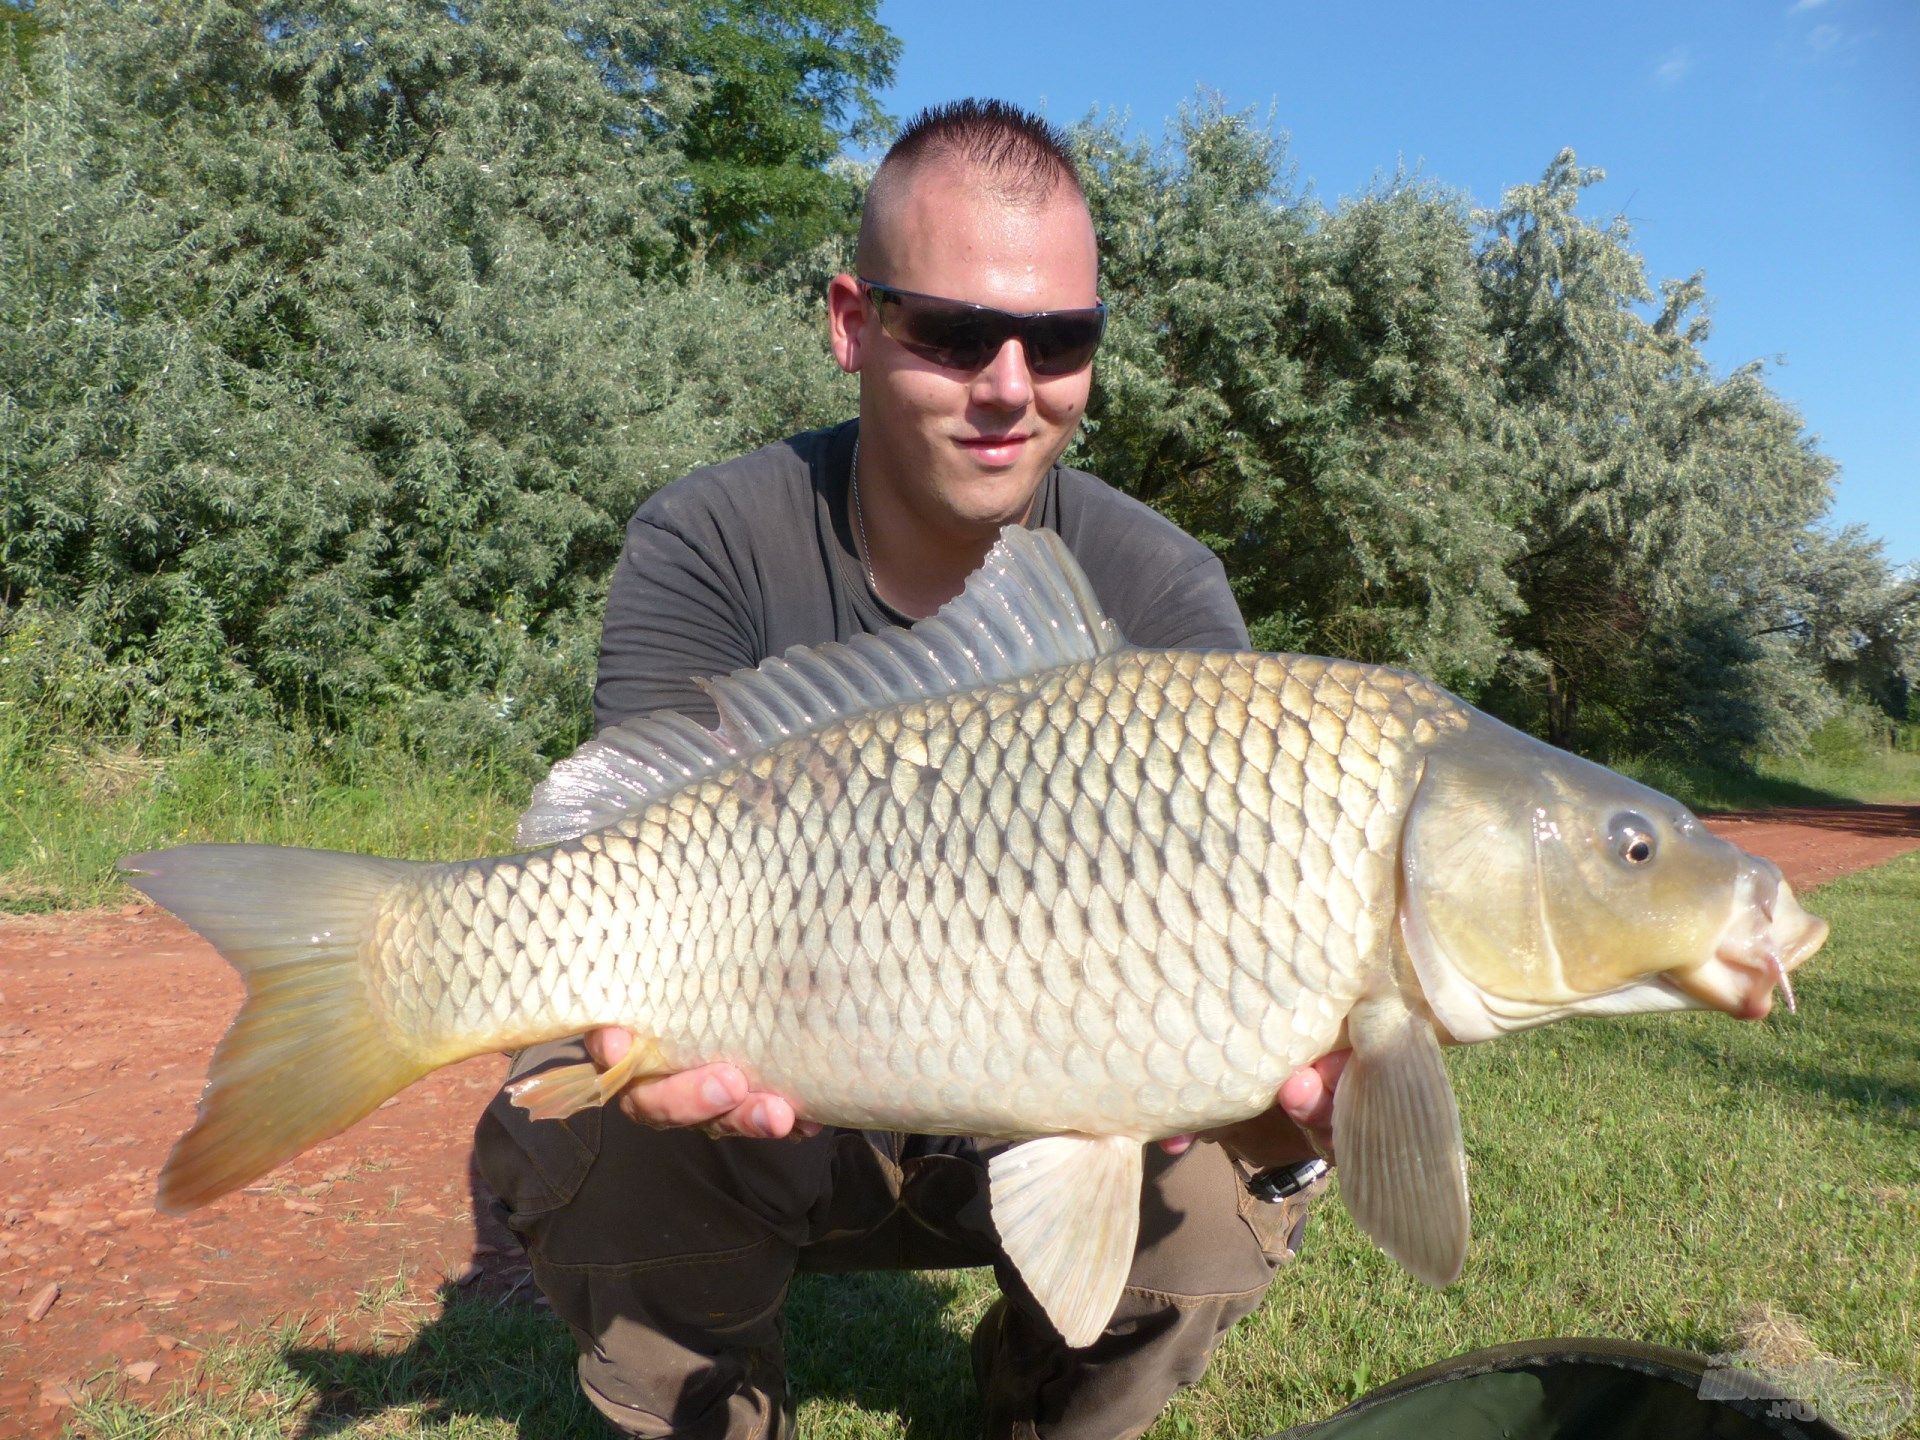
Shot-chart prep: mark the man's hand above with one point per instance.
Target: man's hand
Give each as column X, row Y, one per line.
column 1298, row 1127
column 714, row 1097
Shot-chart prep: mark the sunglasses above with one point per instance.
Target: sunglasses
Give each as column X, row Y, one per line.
column 957, row 335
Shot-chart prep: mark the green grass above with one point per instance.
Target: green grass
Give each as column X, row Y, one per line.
column 69, row 810
column 1874, row 776
column 1662, row 1178
column 476, row 1370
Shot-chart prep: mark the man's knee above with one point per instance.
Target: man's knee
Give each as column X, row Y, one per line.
column 1201, row 1232
column 666, row 1253
column 658, row 1357
column 1207, row 1253
column 598, row 1189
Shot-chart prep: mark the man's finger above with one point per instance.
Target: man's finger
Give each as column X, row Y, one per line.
column 1307, row 1096
column 607, row 1045
column 692, row 1097
column 758, row 1117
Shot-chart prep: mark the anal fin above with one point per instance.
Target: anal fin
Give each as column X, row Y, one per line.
column 1396, row 1129
column 557, row 1093
column 1068, row 1211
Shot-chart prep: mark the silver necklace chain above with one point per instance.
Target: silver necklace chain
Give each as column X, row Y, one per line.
column 860, row 522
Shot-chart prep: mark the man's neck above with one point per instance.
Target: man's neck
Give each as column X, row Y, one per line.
column 915, row 566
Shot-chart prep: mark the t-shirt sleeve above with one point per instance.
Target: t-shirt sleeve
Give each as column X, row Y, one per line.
column 673, row 616
column 1161, row 587
column 1193, row 609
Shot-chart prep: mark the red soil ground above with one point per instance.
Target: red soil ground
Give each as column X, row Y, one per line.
column 107, row 1019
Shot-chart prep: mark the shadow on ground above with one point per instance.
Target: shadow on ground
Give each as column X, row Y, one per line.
column 883, row 1341
column 876, row 1342
column 483, row 1357
column 1886, row 1094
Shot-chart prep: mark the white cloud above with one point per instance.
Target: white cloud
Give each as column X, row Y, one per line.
column 1800, row 7
column 1673, row 67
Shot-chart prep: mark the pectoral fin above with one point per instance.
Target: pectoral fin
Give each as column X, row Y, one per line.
column 1396, row 1129
column 557, row 1093
column 1068, row 1211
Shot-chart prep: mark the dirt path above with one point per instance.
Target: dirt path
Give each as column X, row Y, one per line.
column 106, row 1023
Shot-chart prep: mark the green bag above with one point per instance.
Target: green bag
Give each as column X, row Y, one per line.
column 1592, row 1390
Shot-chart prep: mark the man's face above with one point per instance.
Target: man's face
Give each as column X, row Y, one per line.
column 965, row 451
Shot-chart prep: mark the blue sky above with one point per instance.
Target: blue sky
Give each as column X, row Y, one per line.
column 1775, row 145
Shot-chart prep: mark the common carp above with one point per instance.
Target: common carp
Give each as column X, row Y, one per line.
column 1004, row 875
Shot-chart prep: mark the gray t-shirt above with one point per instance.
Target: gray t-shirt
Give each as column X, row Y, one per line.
column 745, row 560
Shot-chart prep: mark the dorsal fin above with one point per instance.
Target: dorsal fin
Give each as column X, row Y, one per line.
column 1028, row 608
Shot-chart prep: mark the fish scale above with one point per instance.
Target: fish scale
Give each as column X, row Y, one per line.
column 974, row 906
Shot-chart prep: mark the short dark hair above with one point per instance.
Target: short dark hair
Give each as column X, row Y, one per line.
column 1018, row 157
column 1021, row 153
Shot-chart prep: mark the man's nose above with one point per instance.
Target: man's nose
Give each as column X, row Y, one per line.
column 1006, row 383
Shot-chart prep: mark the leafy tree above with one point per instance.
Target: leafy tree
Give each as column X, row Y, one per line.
column 1847, row 611
column 1485, row 449
column 1657, row 507
column 340, row 346
column 784, row 87
column 1302, row 390
column 1592, row 420
column 20, row 28
column 338, row 342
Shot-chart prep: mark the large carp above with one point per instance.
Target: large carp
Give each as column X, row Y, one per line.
column 1004, row 875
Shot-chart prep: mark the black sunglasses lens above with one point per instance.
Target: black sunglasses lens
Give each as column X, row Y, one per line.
column 1062, row 344
column 952, row 335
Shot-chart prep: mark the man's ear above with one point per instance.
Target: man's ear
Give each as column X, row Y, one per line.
column 847, row 317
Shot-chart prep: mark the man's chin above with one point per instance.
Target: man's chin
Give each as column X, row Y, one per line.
column 985, row 505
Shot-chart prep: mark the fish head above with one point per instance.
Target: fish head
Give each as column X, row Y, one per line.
column 1536, row 885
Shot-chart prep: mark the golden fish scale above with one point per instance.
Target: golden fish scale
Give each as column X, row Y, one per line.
column 1123, row 897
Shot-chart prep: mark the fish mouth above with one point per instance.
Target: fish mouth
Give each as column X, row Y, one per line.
column 1768, row 937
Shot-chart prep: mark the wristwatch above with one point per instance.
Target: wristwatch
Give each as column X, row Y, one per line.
column 1280, row 1183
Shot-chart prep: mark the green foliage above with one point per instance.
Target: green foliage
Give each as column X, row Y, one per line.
column 786, row 85
column 20, row 31
column 1673, row 583
column 338, row 342
column 339, row 346
column 1298, row 388
column 1478, row 445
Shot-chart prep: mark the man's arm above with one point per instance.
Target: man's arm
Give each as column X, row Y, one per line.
column 1192, row 609
column 672, row 618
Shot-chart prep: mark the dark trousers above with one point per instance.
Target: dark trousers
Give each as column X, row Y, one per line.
column 669, row 1254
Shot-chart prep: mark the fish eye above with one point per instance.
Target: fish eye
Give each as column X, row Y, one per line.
column 1632, row 837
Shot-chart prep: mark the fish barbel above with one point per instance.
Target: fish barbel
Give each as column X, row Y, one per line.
column 1003, row 875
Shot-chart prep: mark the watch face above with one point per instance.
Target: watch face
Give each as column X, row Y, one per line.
column 1283, row 1182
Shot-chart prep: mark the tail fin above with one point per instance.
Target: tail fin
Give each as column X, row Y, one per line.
column 307, row 1055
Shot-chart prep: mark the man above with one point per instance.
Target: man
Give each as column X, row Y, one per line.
column 666, row 1231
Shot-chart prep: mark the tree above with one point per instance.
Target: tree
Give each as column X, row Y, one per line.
column 20, row 29
column 1301, row 389
column 337, row 343
column 1850, row 615
column 783, row 88
column 1675, row 586
column 1590, row 425
column 341, row 343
